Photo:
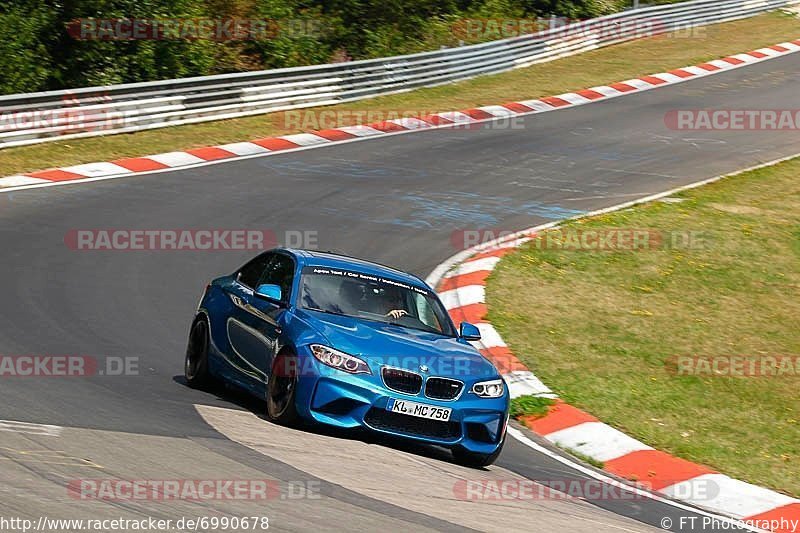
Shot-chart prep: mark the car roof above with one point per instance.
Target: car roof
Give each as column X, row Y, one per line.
column 336, row 260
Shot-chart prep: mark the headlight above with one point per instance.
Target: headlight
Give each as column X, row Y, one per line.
column 339, row 360
column 489, row 389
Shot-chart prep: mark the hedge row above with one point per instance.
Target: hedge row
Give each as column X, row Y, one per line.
column 47, row 45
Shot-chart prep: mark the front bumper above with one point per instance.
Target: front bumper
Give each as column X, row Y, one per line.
column 351, row 401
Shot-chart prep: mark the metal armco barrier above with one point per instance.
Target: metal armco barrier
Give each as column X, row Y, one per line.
column 92, row 111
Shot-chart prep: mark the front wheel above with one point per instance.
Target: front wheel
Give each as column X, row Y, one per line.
column 195, row 368
column 282, row 389
column 476, row 460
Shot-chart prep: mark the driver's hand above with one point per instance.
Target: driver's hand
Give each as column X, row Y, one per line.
column 397, row 313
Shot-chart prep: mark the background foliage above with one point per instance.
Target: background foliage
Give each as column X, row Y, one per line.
column 37, row 53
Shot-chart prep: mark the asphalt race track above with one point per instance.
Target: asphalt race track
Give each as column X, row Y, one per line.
column 397, row 200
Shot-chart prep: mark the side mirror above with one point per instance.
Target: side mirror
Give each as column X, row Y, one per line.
column 469, row 332
column 269, row 292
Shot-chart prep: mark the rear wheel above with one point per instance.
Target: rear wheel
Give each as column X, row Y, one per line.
column 282, row 390
column 476, row 460
column 196, row 365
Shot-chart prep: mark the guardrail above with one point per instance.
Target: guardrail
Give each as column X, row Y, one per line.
column 56, row 115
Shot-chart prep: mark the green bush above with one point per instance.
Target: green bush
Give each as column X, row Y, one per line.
column 37, row 53
column 86, row 63
column 25, row 47
column 530, row 406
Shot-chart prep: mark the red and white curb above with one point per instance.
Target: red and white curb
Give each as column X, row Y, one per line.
column 461, row 283
column 271, row 145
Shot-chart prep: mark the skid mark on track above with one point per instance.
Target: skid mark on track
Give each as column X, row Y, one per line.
column 50, row 457
column 33, row 429
column 460, row 209
column 350, row 168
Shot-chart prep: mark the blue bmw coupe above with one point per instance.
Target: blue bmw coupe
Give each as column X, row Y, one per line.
column 353, row 344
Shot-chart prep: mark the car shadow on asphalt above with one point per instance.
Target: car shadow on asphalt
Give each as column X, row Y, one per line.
column 238, row 397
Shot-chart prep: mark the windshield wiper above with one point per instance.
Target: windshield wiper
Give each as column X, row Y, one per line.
column 324, row 311
column 386, row 320
column 424, row 330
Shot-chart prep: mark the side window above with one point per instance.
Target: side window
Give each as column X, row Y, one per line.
column 425, row 312
column 280, row 272
column 250, row 273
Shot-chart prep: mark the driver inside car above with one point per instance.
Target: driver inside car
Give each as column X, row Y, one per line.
column 358, row 297
column 352, row 296
column 393, row 304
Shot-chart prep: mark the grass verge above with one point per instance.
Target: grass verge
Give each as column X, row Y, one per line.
column 602, row 328
column 585, row 458
column 606, row 65
column 530, row 406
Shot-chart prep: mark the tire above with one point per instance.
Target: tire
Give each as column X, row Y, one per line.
column 476, row 460
column 282, row 390
column 195, row 368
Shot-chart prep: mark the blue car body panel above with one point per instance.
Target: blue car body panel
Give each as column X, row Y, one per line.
column 247, row 332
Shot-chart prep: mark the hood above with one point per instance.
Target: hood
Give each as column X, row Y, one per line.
column 387, row 344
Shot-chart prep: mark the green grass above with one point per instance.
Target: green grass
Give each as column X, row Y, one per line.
column 600, row 327
column 530, row 406
column 607, row 65
column 583, row 457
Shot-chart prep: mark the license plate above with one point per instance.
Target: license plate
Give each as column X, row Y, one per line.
column 420, row 410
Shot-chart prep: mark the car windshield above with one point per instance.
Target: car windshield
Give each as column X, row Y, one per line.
column 369, row 297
